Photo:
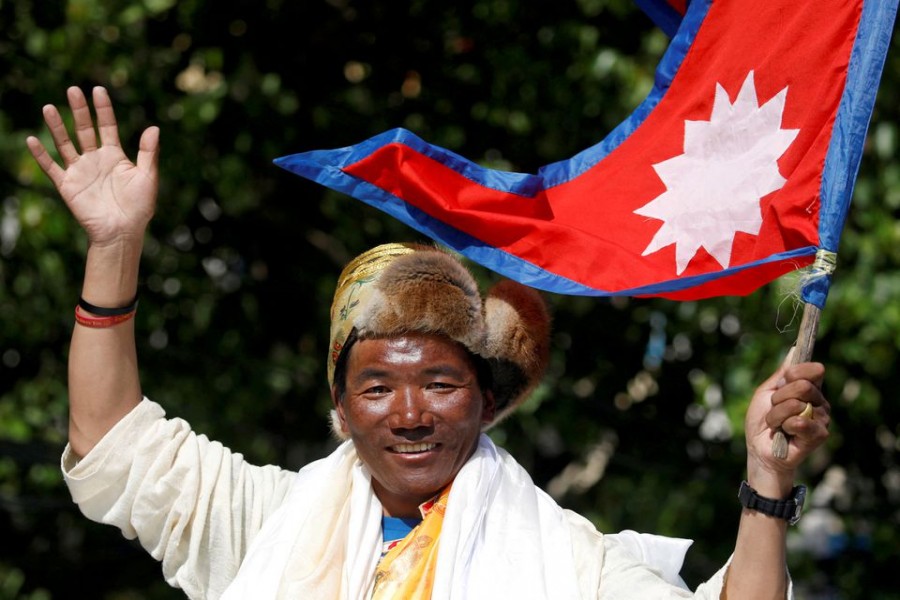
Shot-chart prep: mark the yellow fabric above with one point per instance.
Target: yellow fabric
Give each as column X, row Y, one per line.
column 353, row 289
column 407, row 570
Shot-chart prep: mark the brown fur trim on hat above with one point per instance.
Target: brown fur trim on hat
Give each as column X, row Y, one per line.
column 428, row 291
column 517, row 342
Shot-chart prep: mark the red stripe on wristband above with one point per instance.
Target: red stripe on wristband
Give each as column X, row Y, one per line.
column 101, row 322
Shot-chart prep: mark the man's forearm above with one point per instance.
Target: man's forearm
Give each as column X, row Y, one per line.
column 103, row 372
column 758, row 569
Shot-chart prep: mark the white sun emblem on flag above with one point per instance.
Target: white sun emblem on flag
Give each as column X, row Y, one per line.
column 713, row 190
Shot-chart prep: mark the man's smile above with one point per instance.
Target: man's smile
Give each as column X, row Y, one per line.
column 414, row 409
column 416, row 448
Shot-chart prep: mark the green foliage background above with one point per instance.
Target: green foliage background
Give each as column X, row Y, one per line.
column 639, row 423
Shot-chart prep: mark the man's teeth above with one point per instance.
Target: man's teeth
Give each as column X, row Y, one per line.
column 411, row 448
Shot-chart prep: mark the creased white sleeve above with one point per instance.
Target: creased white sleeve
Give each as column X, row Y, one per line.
column 631, row 569
column 625, row 575
column 192, row 503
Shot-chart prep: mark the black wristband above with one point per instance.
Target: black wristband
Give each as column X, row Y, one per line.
column 101, row 311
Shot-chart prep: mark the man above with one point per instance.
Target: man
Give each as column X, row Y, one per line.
column 419, row 366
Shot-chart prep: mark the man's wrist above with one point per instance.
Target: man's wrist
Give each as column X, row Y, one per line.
column 111, row 274
column 787, row 508
column 774, row 484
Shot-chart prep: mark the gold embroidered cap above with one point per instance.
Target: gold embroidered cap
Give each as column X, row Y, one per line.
column 401, row 288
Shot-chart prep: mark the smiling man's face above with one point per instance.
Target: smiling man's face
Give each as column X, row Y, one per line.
column 414, row 409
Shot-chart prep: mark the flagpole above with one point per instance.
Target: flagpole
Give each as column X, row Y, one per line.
column 806, row 340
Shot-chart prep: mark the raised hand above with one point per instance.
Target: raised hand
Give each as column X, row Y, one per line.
column 791, row 399
column 111, row 197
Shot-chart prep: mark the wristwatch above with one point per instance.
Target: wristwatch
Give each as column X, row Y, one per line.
column 788, row 509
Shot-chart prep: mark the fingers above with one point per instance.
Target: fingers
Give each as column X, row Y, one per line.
column 44, row 161
column 777, row 407
column 801, row 386
column 106, row 118
column 85, row 133
column 811, row 372
column 60, row 135
column 794, row 417
column 808, row 434
column 84, row 125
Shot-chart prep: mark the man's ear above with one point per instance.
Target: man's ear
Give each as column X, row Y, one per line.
column 337, row 416
column 489, row 408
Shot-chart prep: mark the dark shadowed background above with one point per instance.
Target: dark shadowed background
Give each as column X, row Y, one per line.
column 639, row 423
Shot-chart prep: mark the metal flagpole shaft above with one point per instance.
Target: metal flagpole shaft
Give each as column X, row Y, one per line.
column 806, row 339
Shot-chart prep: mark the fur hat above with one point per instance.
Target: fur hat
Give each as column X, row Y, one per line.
column 400, row 288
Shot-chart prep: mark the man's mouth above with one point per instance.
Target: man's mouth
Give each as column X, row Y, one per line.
column 412, row 448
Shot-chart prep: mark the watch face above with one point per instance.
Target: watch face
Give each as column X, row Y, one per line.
column 799, row 499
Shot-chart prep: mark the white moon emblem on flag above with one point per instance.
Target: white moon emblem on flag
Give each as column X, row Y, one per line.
column 713, row 190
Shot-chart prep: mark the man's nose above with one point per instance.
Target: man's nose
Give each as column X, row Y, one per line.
column 410, row 410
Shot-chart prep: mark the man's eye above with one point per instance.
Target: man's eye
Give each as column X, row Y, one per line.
column 440, row 385
column 377, row 390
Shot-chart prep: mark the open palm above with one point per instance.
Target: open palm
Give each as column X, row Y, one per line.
column 112, row 198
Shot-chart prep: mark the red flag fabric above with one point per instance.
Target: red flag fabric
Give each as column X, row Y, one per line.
column 723, row 179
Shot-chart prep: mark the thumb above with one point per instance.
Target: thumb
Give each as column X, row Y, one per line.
column 776, row 380
column 148, row 150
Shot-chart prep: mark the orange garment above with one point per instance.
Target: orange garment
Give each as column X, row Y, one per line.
column 407, row 570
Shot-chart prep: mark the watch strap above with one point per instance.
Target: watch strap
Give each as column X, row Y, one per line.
column 788, row 508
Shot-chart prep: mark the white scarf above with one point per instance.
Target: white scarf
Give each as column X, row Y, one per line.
column 502, row 537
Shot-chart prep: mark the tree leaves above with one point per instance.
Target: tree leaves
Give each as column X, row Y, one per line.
column 241, row 261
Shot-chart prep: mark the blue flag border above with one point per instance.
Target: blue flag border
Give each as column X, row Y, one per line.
column 839, row 174
column 873, row 37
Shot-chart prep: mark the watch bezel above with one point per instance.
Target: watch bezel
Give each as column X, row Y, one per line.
column 799, row 497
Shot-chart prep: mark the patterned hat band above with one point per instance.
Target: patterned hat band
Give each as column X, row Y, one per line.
column 401, row 288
